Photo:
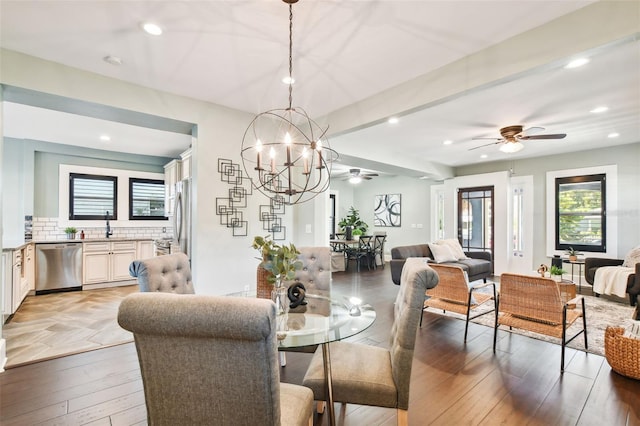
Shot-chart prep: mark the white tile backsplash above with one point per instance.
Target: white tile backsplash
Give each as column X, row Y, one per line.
column 47, row 229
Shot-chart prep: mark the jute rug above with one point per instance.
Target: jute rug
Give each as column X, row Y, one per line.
column 601, row 313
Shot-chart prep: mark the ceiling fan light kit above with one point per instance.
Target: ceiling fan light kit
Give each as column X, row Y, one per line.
column 511, row 147
column 296, row 166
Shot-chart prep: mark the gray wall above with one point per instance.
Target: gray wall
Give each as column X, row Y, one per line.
column 627, row 158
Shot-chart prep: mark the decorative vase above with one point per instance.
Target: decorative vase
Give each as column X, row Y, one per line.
column 557, row 278
column 279, row 297
column 71, row 235
column 348, row 230
column 573, row 258
column 263, row 287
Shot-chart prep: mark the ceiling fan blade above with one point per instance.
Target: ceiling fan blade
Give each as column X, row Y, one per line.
column 533, row 137
column 482, row 146
column 487, row 139
column 366, row 177
column 369, row 174
column 532, row 131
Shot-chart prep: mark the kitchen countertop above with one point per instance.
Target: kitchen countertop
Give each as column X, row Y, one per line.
column 18, row 244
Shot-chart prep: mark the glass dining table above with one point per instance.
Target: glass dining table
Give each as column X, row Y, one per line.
column 323, row 319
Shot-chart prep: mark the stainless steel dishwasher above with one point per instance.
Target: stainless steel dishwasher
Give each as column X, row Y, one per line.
column 58, row 267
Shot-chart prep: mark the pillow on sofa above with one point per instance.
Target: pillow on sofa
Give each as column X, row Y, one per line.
column 454, row 246
column 441, row 253
column 632, row 258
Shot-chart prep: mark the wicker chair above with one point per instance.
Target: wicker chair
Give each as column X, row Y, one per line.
column 454, row 294
column 622, row 353
column 534, row 304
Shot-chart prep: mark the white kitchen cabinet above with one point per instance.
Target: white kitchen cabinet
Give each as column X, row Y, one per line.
column 23, row 259
column 186, row 164
column 146, row 249
column 15, row 283
column 172, row 174
column 29, row 259
column 107, row 261
column 7, row 284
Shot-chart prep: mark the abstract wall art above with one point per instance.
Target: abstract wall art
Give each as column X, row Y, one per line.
column 387, row 210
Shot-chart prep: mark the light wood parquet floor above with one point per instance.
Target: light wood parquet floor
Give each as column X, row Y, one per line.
column 50, row 325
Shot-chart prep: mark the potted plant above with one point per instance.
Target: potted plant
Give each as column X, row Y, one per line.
column 573, row 254
column 354, row 222
column 71, row 232
column 556, row 273
column 281, row 261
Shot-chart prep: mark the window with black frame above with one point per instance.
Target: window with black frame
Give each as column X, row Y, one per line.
column 92, row 196
column 146, row 199
column 581, row 213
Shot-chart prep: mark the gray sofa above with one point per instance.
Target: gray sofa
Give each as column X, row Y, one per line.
column 479, row 266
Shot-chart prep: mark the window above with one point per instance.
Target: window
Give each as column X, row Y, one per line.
column 517, row 246
column 581, row 213
column 146, row 199
column 92, row 197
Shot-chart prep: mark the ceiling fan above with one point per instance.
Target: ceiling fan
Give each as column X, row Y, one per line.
column 356, row 175
column 513, row 135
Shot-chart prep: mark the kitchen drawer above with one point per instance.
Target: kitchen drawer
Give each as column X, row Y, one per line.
column 97, row 246
column 123, row 245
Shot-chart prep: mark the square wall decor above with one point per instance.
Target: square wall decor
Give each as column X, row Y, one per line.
column 387, row 210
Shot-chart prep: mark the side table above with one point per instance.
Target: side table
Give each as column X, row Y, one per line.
column 580, row 263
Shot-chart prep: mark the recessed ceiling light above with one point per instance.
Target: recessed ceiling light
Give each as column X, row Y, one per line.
column 613, row 135
column 113, row 60
column 484, row 156
column 288, row 80
column 447, row 142
column 151, row 28
column 599, row 109
column 105, row 138
column 577, row 63
column 393, row 120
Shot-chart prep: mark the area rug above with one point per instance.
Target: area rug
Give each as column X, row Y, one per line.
column 601, row 313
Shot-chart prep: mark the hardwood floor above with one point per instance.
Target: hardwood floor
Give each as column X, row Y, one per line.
column 451, row 383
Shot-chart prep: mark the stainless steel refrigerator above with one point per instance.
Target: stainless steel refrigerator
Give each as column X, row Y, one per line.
column 182, row 216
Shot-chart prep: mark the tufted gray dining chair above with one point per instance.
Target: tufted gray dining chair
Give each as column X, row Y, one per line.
column 372, row 375
column 315, row 275
column 211, row 360
column 170, row 273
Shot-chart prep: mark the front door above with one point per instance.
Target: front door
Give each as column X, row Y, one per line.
column 475, row 219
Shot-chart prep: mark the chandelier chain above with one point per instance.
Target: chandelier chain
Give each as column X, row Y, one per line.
column 290, row 55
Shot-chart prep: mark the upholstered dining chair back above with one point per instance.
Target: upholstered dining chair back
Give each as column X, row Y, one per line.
column 416, row 278
column 170, row 273
column 373, row 375
column 211, row 360
column 315, row 273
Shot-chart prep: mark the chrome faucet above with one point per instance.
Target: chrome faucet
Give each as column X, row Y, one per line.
column 108, row 231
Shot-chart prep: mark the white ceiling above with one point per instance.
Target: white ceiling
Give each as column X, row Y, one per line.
column 234, row 53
